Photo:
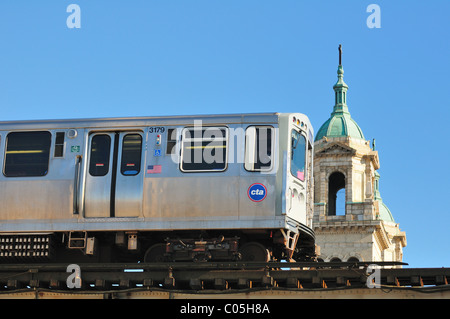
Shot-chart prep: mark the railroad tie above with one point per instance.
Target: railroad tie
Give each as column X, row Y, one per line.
column 292, row 282
column 342, row 281
column 416, row 281
column 196, row 284
column 392, row 281
column 441, row 280
column 318, row 282
column 244, row 283
column 220, row 284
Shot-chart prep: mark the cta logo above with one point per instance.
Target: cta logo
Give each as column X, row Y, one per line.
column 257, row 192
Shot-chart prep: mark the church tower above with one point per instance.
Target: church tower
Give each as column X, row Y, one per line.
column 350, row 219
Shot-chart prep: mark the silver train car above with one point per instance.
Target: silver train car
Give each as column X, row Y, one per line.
column 214, row 187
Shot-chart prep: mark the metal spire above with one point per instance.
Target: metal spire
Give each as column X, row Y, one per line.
column 340, row 54
column 340, row 89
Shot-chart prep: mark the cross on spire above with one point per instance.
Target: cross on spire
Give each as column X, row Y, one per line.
column 340, row 89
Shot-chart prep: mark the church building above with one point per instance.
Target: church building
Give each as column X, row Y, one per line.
column 351, row 221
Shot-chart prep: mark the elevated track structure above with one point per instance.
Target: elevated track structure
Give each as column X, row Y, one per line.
column 233, row 280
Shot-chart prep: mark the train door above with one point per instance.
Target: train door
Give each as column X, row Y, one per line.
column 297, row 177
column 114, row 176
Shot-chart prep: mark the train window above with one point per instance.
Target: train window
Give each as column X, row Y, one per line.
column 99, row 159
column 298, row 152
column 131, row 154
column 258, row 148
column 204, row 149
column 171, row 141
column 59, row 145
column 27, row 154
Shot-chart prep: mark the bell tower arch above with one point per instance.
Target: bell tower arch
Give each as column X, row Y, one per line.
column 336, row 186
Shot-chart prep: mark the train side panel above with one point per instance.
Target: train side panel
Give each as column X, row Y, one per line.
column 171, row 194
column 48, row 197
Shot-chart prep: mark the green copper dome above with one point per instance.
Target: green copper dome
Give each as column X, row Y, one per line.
column 385, row 213
column 340, row 123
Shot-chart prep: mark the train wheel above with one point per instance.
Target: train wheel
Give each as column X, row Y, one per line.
column 155, row 253
column 254, row 251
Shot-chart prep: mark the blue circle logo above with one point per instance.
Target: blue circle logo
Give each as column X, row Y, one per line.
column 257, row 192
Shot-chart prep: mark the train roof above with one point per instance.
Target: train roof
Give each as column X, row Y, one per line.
column 264, row 118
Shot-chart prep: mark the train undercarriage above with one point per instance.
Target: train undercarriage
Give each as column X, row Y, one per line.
column 173, row 246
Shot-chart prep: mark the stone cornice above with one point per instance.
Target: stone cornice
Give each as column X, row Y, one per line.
column 381, row 237
column 373, row 156
column 335, row 149
column 346, row 226
column 401, row 237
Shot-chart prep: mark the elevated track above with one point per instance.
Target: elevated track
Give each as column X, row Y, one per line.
column 233, row 280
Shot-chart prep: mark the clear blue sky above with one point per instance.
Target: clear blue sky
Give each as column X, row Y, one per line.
column 133, row 58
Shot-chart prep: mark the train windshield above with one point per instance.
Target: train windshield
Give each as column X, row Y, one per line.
column 298, row 152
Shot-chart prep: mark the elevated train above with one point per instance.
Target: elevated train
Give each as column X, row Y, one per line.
column 213, row 187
